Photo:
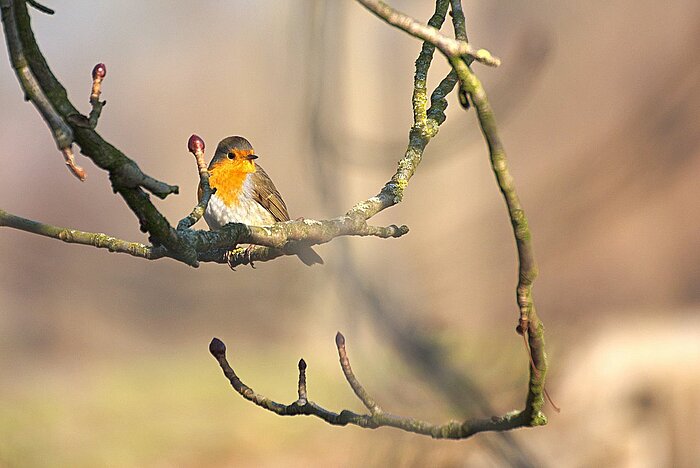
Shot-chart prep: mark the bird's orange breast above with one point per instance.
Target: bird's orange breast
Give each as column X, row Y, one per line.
column 228, row 179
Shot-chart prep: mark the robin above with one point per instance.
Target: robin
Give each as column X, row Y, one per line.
column 245, row 193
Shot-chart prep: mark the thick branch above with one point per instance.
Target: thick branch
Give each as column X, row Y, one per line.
column 376, row 418
column 211, row 246
column 127, row 179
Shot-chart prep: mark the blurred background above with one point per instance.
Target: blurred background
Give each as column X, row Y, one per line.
column 104, row 357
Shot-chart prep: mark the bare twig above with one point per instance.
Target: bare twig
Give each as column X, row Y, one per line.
column 355, row 384
column 195, row 145
column 376, row 418
column 449, row 47
column 70, row 162
column 191, row 246
column 40, row 7
column 74, row 236
column 98, row 74
column 529, row 323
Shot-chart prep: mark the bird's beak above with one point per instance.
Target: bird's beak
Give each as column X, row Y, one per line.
column 250, row 157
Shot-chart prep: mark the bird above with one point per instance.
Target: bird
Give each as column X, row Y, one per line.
column 244, row 193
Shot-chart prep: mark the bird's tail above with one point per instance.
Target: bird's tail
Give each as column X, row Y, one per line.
column 309, row 256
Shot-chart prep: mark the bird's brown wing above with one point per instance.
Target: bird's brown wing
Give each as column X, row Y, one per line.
column 265, row 193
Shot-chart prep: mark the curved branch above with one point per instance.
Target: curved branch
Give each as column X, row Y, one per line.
column 529, row 323
column 376, row 418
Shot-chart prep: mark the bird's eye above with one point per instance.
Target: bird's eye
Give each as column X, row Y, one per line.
column 232, row 156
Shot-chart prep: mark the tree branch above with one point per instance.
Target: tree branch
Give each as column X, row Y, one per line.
column 191, row 246
column 376, row 417
column 423, row 129
column 529, row 324
column 449, row 47
column 74, row 236
column 181, row 243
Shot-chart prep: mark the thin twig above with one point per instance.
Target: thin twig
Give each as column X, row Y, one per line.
column 195, row 145
column 99, row 72
column 376, row 418
column 70, row 162
column 449, row 47
column 529, row 323
column 74, row 236
column 301, row 386
column 355, row 384
column 40, row 7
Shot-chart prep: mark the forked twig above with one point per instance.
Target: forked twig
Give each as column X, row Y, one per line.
column 376, row 417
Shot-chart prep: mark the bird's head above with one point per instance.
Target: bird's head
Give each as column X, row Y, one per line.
column 234, row 154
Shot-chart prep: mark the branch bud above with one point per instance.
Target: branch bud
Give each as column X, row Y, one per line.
column 339, row 340
column 302, row 365
column 217, row 347
column 99, row 72
column 195, row 144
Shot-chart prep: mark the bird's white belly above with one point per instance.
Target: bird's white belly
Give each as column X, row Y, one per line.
column 246, row 211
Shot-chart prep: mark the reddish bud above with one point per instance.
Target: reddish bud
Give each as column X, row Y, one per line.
column 195, row 144
column 100, row 71
column 339, row 340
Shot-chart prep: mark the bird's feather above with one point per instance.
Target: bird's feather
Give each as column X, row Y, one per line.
column 266, row 194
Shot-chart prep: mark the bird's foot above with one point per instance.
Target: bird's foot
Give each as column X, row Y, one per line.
column 248, row 253
column 229, row 259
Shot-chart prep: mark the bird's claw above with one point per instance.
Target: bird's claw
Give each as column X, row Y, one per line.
column 229, row 259
column 248, row 253
column 229, row 256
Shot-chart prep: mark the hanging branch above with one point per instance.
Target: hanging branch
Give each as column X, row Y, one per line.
column 529, row 324
column 376, row 417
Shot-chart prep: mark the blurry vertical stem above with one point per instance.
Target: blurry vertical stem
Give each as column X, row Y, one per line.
column 530, row 324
